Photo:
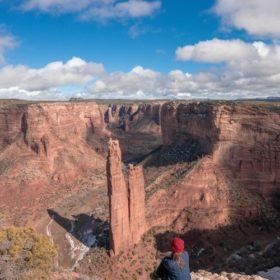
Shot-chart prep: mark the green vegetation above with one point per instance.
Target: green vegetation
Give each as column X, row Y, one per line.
column 25, row 254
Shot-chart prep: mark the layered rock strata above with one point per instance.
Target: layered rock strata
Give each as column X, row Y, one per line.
column 45, row 149
column 237, row 173
column 48, row 147
column 126, row 204
column 129, row 116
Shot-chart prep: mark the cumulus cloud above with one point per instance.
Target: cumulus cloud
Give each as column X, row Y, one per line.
column 27, row 82
column 248, row 58
column 96, row 9
column 74, row 72
column 215, row 51
column 6, row 42
column 257, row 17
column 248, row 70
column 138, row 83
column 49, row 82
column 178, row 84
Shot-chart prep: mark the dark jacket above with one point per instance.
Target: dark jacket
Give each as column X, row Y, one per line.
column 171, row 270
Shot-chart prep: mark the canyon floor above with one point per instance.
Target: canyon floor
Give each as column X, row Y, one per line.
column 53, row 178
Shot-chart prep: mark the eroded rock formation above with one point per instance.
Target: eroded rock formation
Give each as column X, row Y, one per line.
column 46, row 148
column 237, row 170
column 134, row 116
column 136, row 203
column 118, row 201
column 126, row 204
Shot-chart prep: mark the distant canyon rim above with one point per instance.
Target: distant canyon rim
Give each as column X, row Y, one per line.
column 211, row 175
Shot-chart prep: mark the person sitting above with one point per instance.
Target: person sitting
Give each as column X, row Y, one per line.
column 175, row 267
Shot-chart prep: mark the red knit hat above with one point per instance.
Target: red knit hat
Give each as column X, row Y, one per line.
column 177, row 245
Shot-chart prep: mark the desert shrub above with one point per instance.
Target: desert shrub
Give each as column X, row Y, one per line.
column 24, row 254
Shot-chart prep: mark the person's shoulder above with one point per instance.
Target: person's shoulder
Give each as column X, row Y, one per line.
column 168, row 262
column 185, row 255
column 166, row 259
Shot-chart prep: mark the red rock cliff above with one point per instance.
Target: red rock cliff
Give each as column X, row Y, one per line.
column 43, row 148
column 238, row 173
column 243, row 139
column 134, row 116
column 45, row 127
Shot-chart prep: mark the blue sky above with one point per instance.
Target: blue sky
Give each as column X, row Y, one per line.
column 139, row 49
column 44, row 38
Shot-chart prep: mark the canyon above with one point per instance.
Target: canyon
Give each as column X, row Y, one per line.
column 201, row 170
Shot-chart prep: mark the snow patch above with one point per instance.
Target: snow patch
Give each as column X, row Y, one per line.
column 78, row 249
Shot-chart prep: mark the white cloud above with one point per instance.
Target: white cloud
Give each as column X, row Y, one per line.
column 55, row 6
column 248, row 70
column 6, row 42
column 257, row 56
column 137, row 8
column 257, row 17
column 131, row 84
column 216, row 50
column 31, row 82
column 252, row 70
column 95, row 9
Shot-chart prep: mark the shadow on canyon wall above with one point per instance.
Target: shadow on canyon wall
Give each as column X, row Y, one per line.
column 96, row 139
column 139, row 159
column 187, row 136
column 84, row 227
column 186, row 152
column 135, row 146
column 276, row 200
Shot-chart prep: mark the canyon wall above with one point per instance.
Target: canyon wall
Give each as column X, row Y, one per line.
column 192, row 121
column 34, row 121
column 136, row 126
column 242, row 139
column 126, row 204
column 129, row 117
column 44, row 126
column 45, row 149
column 52, row 133
column 238, row 170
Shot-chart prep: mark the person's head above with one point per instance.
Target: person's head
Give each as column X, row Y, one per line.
column 178, row 247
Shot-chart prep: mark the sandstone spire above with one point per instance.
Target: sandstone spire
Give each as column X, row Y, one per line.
column 118, row 201
column 136, row 203
column 126, row 205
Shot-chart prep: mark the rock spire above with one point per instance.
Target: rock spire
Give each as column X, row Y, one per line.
column 126, row 203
